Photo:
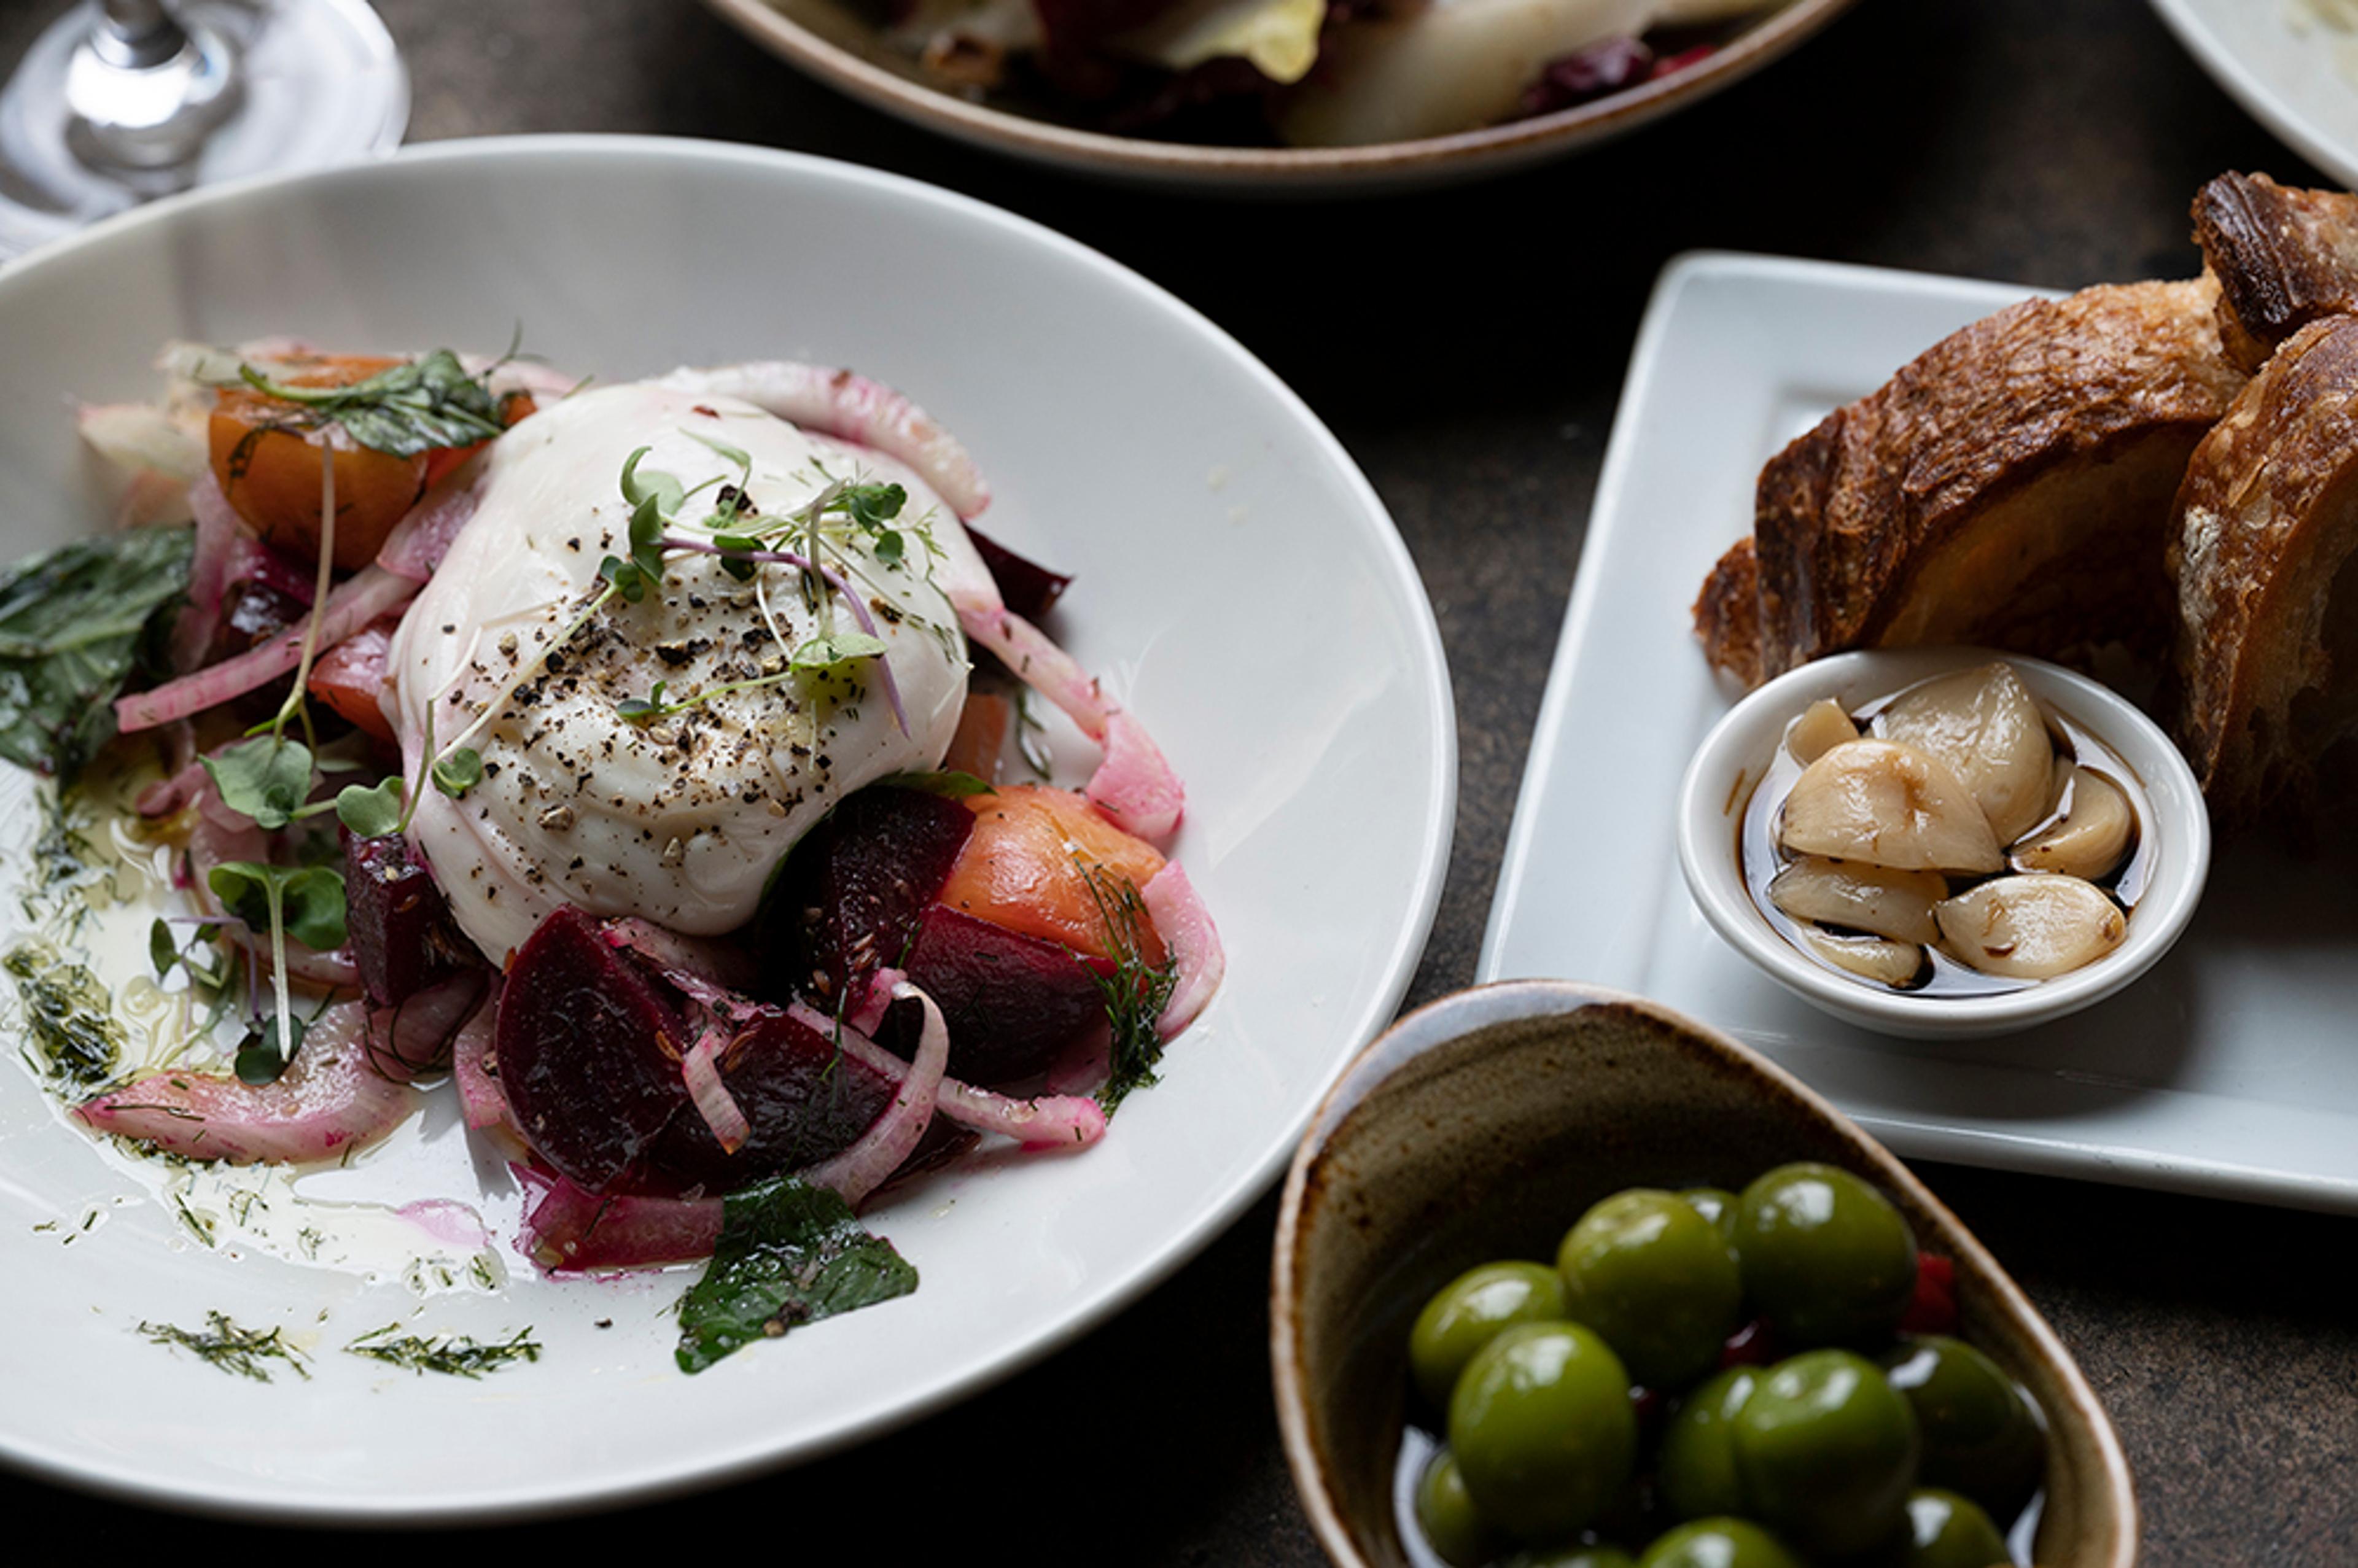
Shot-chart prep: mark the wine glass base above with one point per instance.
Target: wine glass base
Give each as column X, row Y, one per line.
column 321, row 83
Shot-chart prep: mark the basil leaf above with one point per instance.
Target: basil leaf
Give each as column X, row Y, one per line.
column 838, row 648
column 163, row 952
column 371, row 812
column 789, row 1253
column 427, row 403
column 73, row 624
column 266, row 778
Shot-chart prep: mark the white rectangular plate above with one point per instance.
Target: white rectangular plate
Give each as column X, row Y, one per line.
column 2228, row 1070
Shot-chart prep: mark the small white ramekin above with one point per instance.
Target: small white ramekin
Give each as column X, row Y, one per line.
column 1736, row 754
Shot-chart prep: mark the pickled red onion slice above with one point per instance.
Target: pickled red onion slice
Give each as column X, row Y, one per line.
column 572, row 1228
column 850, row 408
column 1186, row 929
column 370, row 592
column 860, row 1169
column 701, row 1069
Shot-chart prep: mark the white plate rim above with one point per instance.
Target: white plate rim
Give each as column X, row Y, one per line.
column 1214, row 1215
column 2129, row 1162
column 2259, row 96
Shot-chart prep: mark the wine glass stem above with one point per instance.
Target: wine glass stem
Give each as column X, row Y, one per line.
column 136, row 35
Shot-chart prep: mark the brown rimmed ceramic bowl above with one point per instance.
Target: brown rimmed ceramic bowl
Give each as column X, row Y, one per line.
column 1481, row 1127
column 830, row 42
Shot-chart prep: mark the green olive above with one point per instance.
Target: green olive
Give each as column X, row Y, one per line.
column 1945, row 1531
column 1456, row 1531
column 1542, row 1430
column 1826, row 1259
column 1827, row 1451
column 1719, row 1544
column 1716, row 1205
column 1466, row 1314
column 1980, row 1435
column 1695, row 1468
column 1648, row 1271
column 1571, row 1557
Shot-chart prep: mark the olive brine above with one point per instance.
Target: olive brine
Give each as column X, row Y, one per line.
column 1709, row 1380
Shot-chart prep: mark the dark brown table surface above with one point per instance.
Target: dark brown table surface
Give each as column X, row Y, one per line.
column 1469, row 347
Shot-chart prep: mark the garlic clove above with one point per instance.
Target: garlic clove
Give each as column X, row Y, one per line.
column 1869, row 957
column 2089, row 832
column 2031, row 928
column 1820, row 729
column 1985, row 725
column 1887, row 805
column 1896, row 904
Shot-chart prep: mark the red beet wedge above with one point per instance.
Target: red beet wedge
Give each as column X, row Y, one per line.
column 588, row 1052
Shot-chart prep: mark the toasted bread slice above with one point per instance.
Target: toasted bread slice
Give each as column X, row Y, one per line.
column 2011, row 487
column 2284, row 258
column 2261, row 557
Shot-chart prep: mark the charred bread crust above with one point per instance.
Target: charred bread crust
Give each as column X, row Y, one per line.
column 2267, row 522
column 1929, row 510
column 1727, row 614
column 2283, row 257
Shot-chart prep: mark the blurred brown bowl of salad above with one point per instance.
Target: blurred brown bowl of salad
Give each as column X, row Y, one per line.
column 1291, row 97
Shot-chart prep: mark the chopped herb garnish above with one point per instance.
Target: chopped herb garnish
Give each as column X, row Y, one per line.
column 1136, row 992
column 1032, row 737
column 789, row 1253
column 70, row 1023
column 238, row 1351
column 453, row 1355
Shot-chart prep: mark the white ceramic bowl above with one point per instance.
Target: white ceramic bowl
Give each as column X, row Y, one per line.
column 1735, row 754
column 1097, row 404
column 1481, row 1125
column 833, row 43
